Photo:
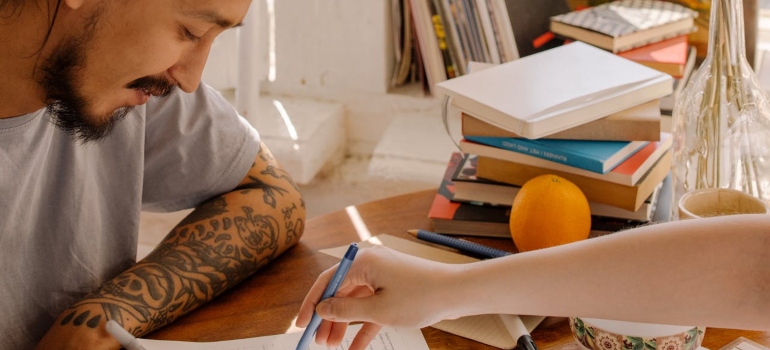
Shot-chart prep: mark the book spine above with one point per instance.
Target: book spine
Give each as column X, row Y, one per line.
column 621, row 196
column 524, row 146
column 461, row 26
column 605, row 129
column 450, row 26
column 443, row 42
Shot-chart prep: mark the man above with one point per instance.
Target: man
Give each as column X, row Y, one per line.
column 93, row 129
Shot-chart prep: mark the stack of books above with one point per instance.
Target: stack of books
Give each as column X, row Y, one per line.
column 576, row 111
column 650, row 32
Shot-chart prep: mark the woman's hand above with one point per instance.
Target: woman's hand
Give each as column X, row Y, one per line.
column 382, row 288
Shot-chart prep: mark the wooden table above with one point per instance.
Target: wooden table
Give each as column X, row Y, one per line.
column 267, row 303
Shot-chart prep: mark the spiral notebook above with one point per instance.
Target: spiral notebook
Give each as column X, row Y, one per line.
column 487, row 329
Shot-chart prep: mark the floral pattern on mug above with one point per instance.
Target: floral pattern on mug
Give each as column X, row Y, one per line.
column 597, row 339
column 608, row 341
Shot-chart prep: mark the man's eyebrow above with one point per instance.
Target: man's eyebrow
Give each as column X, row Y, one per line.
column 215, row 18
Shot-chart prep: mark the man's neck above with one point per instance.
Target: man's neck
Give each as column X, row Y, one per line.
column 21, row 37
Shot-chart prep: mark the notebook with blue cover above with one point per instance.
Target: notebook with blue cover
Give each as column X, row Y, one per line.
column 596, row 156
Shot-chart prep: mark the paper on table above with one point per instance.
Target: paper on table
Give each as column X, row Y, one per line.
column 387, row 339
column 743, row 343
column 487, row 329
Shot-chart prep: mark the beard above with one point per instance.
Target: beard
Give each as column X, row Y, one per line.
column 70, row 110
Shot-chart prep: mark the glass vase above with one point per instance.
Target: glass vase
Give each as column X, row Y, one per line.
column 721, row 121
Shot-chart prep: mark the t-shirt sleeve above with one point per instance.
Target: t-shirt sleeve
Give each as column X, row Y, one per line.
column 196, row 147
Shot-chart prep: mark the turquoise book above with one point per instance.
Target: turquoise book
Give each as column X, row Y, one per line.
column 596, row 156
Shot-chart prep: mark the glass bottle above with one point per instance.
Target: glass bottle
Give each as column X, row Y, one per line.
column 721, row 120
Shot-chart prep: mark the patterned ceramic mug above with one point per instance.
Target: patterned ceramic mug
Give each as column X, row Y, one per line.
column 596, row 334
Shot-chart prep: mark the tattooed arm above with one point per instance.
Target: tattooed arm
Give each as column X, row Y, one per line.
column 218, row 245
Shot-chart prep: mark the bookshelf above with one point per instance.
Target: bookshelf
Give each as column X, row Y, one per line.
column 343, row 52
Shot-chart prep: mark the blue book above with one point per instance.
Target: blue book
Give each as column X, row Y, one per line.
column 597, row 156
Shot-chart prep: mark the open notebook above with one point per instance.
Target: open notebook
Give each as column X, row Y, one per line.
column 487, row 329
column 387, row 339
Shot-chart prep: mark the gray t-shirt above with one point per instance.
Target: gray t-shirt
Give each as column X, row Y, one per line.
column 69, row 212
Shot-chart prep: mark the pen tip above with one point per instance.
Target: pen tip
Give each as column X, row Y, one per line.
column 412, row 232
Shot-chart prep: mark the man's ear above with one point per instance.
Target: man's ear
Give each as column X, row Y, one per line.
column 73, row 4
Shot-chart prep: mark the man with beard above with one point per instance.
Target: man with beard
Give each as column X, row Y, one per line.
column 102, row 115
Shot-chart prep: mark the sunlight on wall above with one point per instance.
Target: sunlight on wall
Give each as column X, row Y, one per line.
column 271, row 39
column 287, row 121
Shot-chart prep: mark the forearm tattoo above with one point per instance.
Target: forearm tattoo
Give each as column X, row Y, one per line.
column 215, row 247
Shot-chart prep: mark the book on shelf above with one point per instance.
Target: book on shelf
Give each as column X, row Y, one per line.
column 627, row 173
column 444, row 43
column 432, row 59
column 403, row 44
column 501, row 23
column 466, row 219
column 639, row 123
column 451, row 33
column 458, row 43
column 623, row 25
column 621, row 196
column 667, row 102
column 668, row 56
column 471, row 188
column 555, row 90
column 597, row 156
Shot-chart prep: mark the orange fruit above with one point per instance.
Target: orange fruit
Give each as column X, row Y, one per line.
column 548, row 211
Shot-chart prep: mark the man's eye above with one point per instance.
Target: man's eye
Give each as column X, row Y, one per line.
column 189, row 35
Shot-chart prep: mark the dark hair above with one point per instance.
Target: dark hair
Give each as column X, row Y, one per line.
column 14, row 7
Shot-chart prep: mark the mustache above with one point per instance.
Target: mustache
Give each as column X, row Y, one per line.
column 153, row 85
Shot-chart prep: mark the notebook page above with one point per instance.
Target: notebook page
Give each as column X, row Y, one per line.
column 387, row 339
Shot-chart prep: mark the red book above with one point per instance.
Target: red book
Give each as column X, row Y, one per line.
column 466, row 219
column 627, row 173
column 668, row 56
column 462, row 218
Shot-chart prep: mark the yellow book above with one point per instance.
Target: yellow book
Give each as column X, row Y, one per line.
column 621, row 196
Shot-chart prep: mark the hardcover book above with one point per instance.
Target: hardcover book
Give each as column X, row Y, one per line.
column 626, row 24
column 460, row 218
column 628, row 173
column 466, row 219
column 555, row 90
column 626, row 197
column 639, row 123
column 471, row 188
column 597, row 156
column 668, row 56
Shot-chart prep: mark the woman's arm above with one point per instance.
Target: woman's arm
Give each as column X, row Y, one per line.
column 712, row 272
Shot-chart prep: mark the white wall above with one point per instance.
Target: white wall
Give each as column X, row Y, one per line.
column 331, row 50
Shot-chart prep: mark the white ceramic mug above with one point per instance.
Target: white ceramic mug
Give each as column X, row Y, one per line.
column 708, row 202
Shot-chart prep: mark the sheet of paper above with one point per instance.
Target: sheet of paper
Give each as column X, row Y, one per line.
column 387, row 339
column 743, row 343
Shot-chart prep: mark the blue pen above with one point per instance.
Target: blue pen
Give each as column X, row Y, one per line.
column 331, row 289
column 465, row 246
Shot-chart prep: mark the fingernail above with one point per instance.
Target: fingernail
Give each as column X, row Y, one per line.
column 323, row 308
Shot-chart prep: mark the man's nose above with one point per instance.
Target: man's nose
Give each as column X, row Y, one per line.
column 189, row 69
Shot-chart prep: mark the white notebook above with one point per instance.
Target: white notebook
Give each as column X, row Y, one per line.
column 555, row 90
